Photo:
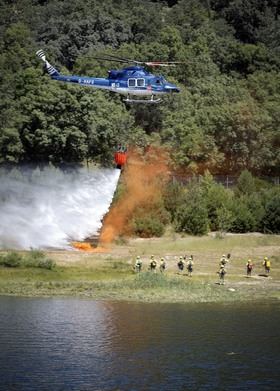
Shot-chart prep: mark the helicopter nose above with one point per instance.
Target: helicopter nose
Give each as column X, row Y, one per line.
column 172, row 88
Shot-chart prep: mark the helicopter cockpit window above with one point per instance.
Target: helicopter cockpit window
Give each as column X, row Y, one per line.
column 158, row 82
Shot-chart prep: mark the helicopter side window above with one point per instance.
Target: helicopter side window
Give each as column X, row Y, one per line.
column 131, row 82
column 140, row 82
column 136, row 82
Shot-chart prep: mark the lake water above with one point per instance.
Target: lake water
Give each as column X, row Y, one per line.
column 67, row 344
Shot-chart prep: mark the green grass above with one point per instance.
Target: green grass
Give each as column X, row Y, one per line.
column 111, row 276
column 205, row 243
column 126, row 285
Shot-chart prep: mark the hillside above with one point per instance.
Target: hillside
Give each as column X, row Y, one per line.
column 226, row 117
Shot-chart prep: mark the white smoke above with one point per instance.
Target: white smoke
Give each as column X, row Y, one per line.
column 49, row 207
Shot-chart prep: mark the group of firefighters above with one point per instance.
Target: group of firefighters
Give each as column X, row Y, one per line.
column 189, row 264
column 162, row 264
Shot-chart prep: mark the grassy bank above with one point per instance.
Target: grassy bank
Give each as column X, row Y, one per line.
column 110, row 275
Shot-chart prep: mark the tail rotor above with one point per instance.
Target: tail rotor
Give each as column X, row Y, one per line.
column 41, row 55
column 50, row 69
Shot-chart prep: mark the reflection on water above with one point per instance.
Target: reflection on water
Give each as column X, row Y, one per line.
column 72, row 344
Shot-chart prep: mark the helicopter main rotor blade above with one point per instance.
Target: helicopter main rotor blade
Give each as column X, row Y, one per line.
column 123, row 59
column 113, row 58
column 148, row 63
column 107, row 59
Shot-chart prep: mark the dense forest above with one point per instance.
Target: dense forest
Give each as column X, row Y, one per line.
column 225, row 120
column 226, row 117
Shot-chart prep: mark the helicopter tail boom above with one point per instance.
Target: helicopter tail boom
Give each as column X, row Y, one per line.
column 49, row 68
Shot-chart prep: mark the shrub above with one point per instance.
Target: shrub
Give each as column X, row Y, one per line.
column 192, row 219
column 246, row 183
column 255, row 205
column 173, row 196
column 224, row 221
column 192, row 215
column 216, row 198
column 33, row 258
column 243, row 219
column 11, row 259
column 47, row 263
column 148, row 226
column 149, row 219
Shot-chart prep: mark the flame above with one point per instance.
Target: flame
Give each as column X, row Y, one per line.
column 141, row 178
column 85, row 246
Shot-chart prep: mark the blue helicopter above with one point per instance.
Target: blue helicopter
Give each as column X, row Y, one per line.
column 131, row 81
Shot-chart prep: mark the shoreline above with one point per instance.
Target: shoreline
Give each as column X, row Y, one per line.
column 147, row 287
column 109, row 275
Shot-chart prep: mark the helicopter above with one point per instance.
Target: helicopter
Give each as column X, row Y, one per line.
column 132, row 81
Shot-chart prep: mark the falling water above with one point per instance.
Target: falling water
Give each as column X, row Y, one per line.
column 49, row 207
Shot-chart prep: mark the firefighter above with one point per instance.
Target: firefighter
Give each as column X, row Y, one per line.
column 138, row 264
column 190, row 266
column 266, row 265
column 222, row 272
column 249, row 267
column 181, row 264
column 162, row 266
column 153, row 263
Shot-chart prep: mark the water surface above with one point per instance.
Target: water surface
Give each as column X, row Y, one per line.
column 73, row 344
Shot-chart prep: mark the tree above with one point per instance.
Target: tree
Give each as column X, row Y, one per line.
column 271, row 219
column 245, row 183
column 192, row 216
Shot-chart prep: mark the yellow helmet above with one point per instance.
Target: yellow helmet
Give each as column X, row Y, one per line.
column 265, row 258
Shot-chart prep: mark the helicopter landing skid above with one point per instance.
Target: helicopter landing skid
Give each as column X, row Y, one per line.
column 149, row 101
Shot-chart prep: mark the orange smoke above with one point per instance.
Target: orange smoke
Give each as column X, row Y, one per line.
column 142, row 177
column 84, row 246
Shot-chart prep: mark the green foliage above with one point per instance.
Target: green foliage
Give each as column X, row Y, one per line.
column 245, row 183
column 226, row 117
column 224, row 220
column 243, row 219
column 251, row 206
column 11, row 259
column 271, row 219
column 217, row 200
column 192, row 216
column 173, row 196
column 34, row 259
column 148, row 226
column 148, row 280
column 47, row 263
column 150, row 219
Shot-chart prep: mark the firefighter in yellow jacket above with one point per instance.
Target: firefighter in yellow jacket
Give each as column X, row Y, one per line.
column 266, row 265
